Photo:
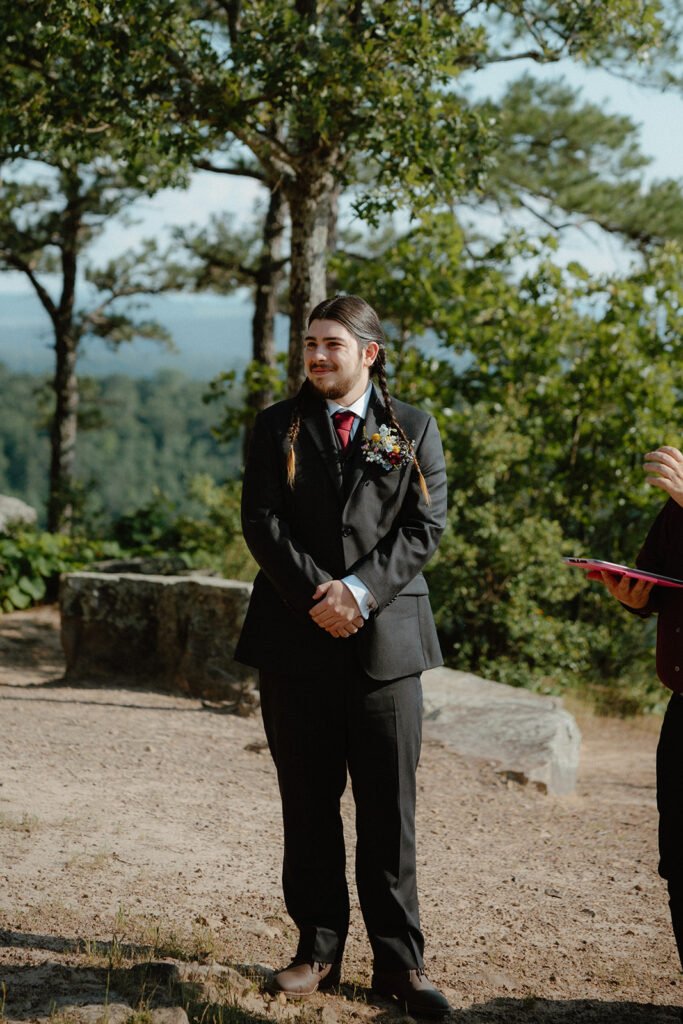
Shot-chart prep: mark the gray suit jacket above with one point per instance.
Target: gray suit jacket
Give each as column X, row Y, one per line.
column 367, row 521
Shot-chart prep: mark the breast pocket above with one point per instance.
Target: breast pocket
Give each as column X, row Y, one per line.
column 387, row 488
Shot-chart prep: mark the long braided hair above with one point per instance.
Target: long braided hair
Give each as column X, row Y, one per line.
column 360, row 319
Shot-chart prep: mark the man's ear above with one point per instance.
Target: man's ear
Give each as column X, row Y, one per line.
column 370, row 353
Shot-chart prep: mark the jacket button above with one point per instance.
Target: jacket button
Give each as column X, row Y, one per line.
column 677, row 668
column 678, row 629
column 346, row 531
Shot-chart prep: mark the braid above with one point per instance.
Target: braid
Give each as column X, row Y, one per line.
column 292, row 434
column 378, row 369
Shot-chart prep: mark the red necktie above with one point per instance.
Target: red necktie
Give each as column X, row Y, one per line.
column 343, row 421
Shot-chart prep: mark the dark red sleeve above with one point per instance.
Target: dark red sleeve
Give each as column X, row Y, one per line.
column 662, row 551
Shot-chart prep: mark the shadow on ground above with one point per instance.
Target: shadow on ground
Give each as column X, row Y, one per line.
column 116, row 979
column 571, row 1011
column 32, row 644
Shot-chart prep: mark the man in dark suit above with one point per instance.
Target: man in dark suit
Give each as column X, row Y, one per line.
column 344, row 502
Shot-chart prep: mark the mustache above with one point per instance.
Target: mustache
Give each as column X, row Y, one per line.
column 322, row 366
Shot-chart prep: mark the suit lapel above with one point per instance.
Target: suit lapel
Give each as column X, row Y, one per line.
column 374, row 416
column 317, row 422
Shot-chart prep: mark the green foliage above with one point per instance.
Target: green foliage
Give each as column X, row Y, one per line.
column 548, row 388
column 85, row 127
column 570, row 162
column 78, row 72
column 211, row 537
column 136, row 435
column 31, row 563
column 24, row 451
column 31, row 560
column 550, row 385
column 151, row 528
column 224, row 256
column 607, row 34
column 63, row 210
column 217, row 531
column 323, row 72
column 43, row 230
column 233, row 394
column 157, row 435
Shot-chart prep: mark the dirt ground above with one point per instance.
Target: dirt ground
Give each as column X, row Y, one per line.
column 135, row 821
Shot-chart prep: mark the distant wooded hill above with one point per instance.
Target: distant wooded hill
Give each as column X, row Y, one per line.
column 211, row 333
column 136, row 435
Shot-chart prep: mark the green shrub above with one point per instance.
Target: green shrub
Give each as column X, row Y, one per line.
column 210, row 537
column 31, row 562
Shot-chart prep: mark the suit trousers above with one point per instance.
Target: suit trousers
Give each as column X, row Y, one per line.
column 317, row 728
column 670, row 806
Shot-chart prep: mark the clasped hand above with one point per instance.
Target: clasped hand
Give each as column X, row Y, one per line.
column 336, row 610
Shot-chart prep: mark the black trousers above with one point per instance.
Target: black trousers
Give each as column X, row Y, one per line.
column 317, row 728
column 670, row 806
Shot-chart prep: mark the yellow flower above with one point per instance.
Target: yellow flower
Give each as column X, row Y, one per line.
column 396, row 449
column 375, row 438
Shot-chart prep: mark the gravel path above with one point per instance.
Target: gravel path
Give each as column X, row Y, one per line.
column 133, row 817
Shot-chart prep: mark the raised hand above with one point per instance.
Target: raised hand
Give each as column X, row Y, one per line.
column 667, row 465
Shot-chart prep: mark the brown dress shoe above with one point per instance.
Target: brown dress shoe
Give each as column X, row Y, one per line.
column 301, row 979
column 413, row 990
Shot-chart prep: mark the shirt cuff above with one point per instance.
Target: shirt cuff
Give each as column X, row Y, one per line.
column 642, row 613
column 362, row 595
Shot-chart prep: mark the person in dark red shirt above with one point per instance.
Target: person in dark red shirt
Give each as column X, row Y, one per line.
column 662, row 552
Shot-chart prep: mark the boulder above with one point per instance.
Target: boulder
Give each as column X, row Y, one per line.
column 149, row 565
column 13, row 510
column 530, row 738
column 174, row 633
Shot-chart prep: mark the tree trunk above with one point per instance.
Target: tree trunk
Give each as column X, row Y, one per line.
column 65, row 423
column 268, row 280
column 309, row 203
column 268, row 277
column 63, row 433
column 333, row 236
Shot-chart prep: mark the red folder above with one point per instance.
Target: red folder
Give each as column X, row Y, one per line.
column 622, row 570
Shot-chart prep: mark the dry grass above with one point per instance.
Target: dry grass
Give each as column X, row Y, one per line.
column 28, row 823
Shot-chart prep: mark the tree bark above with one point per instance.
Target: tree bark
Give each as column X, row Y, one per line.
column 65, row 422
column 268, row 277
column 63, row 433
column 333, row 235
column 309, row 203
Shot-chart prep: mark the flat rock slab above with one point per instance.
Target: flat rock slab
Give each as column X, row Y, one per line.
column 531, row 738
column 174, row 633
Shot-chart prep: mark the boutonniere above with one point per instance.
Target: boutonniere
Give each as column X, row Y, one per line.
column 386, row 448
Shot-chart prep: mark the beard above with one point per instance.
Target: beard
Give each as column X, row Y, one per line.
column 334, row 391
column 341, row 386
